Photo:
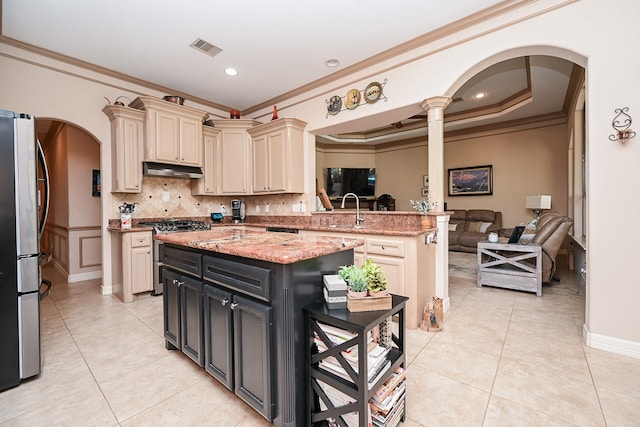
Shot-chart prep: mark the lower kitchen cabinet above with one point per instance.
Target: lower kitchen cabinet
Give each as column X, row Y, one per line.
column 239, row 346
column 191, row 307
column 183, row 308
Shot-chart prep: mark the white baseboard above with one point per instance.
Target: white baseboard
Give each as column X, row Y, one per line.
column 84, row 276
column 610, row 344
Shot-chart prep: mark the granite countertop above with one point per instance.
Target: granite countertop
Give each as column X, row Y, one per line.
column 281, row 248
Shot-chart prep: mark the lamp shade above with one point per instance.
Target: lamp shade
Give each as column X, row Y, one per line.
column 538, row 202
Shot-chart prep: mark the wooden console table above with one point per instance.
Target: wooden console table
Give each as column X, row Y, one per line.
column 512, row 266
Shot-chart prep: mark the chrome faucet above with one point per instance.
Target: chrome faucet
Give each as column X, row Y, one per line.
column 358, row 219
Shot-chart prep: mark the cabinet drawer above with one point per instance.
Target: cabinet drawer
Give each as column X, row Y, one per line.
column 385, row 247
column 139, row 240
column 247, row 279
column 185, row 261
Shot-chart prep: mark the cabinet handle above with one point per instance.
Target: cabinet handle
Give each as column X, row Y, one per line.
column 175, row 282
column 233, row 305
column 180, row 283
column 224, row 302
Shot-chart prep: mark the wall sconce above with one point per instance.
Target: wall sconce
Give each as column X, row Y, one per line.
column 537, row 204
column 622, row 125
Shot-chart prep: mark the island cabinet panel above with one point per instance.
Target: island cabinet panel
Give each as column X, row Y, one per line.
column 253, row 354
column 191, row 306
column 171, row 305
column 248, row 279
column 218, row 335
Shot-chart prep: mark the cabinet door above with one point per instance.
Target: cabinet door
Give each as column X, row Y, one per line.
column 393, row 269
column 234, row 165
column 190, row 142
column 171, row 302
column 278, row 162
column 209, row 183
column 141, row 269
column 253, row 354
column 167, row 127
column 261, row 164
column 218, row 335
column 128, row 155
column 191, row 306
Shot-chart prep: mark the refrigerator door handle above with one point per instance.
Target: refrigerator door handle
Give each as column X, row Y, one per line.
column 45, row 181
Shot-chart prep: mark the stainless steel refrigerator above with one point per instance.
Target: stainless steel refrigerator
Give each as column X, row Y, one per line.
column 22, row 217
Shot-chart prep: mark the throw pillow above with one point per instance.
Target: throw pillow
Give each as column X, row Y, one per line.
column 452, row 227
column 474, row 226
column 484, row 226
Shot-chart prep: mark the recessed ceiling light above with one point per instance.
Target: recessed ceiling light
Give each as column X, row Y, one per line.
column 479, row 95
column 231, row 71
column 331, row 63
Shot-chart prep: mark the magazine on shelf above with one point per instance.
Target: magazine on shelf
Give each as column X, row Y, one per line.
column 390, row 385
column 390, row 402
column 380, row 373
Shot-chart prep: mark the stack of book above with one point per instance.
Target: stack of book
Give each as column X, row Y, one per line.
column 387, row 404
column 377, row 362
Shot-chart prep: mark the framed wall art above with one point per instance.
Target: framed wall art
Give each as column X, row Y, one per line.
column 471, row 181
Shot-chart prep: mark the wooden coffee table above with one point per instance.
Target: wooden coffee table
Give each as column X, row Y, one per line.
column 503, row 265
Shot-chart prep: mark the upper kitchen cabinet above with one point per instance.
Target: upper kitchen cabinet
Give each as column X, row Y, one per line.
column 278, row 156
column 234, row 163
column 126, row 148
column 209, row 184
column 173, row 132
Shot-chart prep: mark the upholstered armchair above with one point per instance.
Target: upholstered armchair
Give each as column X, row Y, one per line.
column 551, row 232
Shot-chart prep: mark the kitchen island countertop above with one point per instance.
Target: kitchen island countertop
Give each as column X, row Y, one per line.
column 281, row 248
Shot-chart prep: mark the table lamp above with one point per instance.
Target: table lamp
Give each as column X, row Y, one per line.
column 537, row 204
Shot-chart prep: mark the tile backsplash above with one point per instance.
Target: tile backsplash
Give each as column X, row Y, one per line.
column 179, row 202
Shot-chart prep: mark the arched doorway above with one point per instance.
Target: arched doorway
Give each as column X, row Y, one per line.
column 73, row 230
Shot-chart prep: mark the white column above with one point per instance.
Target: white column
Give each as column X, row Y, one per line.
column 435, row 112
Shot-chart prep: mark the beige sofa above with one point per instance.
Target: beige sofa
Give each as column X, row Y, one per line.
column 468, row 227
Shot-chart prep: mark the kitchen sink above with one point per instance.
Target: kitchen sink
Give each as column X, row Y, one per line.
column 347, row 226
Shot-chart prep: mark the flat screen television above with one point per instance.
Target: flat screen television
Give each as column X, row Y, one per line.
column 361, row 181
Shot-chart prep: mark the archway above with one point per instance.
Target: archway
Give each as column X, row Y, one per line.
column 73, row 231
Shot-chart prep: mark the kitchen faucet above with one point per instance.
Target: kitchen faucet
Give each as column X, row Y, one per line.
column 358, row 219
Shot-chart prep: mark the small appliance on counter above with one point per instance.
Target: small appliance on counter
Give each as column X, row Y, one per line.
column 216, row 217
column 237, row 211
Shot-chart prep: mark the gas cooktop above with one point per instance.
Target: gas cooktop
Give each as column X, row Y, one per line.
column 176, row 225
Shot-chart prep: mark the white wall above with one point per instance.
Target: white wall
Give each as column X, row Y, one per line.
column 592, row 33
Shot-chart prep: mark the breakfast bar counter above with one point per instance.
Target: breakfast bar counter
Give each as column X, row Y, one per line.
column 281, row 248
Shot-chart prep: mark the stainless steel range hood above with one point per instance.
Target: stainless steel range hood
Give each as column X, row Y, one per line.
column 172, row 171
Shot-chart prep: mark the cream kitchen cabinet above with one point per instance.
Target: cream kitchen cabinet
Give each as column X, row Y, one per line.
column 404, row 262
column 127, row 134
column 209, row 184
column 137, row 264
column 278, row 156
column 234, row 163
column 173, row 132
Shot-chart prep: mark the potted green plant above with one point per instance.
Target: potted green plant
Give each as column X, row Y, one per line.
column 376, row 280
column 424, row 206
column 356, row 278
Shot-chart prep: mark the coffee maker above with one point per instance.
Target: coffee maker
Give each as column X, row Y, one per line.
column 237, row 211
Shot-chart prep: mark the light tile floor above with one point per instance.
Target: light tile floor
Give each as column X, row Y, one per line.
column 504, row 358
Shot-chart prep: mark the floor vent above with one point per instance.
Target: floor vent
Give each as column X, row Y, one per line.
column 206, row 47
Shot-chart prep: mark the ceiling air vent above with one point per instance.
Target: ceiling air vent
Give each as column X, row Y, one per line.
column 206, row 47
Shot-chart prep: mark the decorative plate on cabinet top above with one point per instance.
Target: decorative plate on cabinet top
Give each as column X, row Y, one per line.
column 335, row 105
column 372, row 92
column 352, row 100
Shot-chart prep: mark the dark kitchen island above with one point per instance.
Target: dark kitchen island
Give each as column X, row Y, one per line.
column 233, row 303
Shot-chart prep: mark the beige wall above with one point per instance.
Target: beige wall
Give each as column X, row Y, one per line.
column 524, row 163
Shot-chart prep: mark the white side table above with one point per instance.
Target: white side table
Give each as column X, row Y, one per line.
column 503, row 265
